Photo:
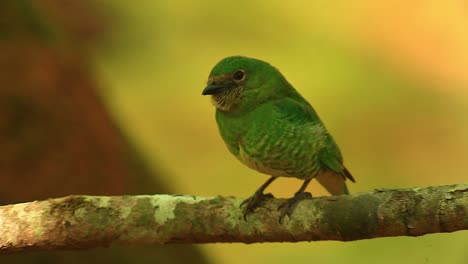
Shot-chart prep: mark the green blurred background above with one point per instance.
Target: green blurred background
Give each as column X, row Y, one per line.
column 388, row 78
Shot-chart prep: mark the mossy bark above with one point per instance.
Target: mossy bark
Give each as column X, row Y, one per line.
column 98, row 221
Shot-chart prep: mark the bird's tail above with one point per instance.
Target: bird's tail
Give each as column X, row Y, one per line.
column 333, row 182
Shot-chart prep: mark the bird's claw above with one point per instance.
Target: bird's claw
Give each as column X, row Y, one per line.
column 254, row 201
column 287, row 208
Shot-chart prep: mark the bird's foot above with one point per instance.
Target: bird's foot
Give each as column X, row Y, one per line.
column 254, row 201
column 287, row 208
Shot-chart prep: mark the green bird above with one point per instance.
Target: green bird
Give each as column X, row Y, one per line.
column 271, row 128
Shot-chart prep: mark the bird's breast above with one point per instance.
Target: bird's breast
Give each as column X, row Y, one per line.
column 279, row 155
column 259, row 164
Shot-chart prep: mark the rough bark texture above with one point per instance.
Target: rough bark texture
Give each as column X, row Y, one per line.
column 95, row 221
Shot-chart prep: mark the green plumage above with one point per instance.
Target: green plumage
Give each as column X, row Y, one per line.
column 270, row 127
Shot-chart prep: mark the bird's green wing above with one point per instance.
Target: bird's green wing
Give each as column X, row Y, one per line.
column 294, row 111
column 330, row 156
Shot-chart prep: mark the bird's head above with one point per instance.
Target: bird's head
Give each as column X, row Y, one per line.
column 240, row 83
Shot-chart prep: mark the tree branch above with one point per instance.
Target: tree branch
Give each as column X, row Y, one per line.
column 91, row 221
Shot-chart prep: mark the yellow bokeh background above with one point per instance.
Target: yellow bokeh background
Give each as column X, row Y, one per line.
column 388, row 78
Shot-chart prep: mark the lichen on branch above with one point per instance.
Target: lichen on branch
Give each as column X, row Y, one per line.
column 81, row 221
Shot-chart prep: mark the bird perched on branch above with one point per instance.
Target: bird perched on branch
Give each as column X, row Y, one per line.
column 271, row 128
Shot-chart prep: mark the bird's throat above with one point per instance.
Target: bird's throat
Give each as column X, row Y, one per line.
column 227, row 100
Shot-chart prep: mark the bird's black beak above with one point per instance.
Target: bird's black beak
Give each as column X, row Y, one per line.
column 217, row 88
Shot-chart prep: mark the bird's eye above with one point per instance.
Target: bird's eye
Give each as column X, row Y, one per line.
column 239, row 75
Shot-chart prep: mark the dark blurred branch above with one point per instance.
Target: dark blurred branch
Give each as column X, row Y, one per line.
column 56, row 134
column 97, row 221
